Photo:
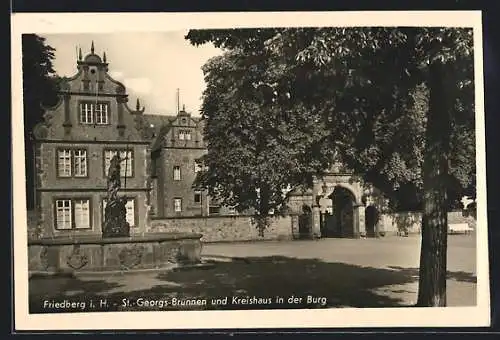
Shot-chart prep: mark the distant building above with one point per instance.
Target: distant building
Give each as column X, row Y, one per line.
column 175, row 162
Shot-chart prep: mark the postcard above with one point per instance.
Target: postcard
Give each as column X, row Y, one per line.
column 249, row 170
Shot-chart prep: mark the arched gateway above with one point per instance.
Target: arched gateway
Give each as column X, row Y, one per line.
column 337, row 213
column 339, row 207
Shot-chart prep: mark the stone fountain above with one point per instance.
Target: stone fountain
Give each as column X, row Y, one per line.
column 116, row 250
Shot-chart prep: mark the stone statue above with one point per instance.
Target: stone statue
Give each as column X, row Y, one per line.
column 114, row 180
column 115, row 213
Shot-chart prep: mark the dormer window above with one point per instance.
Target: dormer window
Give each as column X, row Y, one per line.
column 185, row 135
column 94, row 113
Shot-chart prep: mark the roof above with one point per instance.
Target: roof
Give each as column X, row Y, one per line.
column 162, row 125
column 157, row 120
column 158, row 142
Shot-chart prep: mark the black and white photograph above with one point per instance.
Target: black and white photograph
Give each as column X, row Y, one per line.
column 237, row 170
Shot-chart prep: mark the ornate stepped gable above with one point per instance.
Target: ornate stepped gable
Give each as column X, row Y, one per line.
column 170, row 122
column 93, row 82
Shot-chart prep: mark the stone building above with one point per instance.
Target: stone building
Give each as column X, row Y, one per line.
column 79, row 135
column 175, row 163
column 73, row 146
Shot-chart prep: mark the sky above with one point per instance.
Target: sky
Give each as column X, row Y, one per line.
column 151, row 65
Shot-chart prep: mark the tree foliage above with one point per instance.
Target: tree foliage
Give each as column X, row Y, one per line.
column 256, row 149
column 39, row 89
column 366, row 86
column 397, row 104
column 39, row 77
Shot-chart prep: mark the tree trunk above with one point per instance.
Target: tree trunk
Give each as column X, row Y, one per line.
column 263, row 216
column 433, row 255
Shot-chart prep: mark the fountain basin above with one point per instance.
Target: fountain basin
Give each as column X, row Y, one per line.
column 94, row 254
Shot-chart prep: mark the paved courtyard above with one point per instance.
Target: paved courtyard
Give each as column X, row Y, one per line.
column 324, row 273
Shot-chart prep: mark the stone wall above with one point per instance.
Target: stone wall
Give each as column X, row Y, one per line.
column 225, row 228
column 411, row 221
column 33, row 230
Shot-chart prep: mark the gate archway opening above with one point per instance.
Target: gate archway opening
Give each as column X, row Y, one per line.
column 341, row 222
column 305, row 222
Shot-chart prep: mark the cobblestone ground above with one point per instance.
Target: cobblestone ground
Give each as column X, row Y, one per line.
column 345, row 272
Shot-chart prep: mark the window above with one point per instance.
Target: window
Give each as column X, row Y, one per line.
column 82, row 214
column 129, row 206
column 64, row 163
column 177, row 173
column 91, row 112
column 72, row 162
column 72, row 214
column 86, row 113
column 80, row 158
column 185, row 135
column 101, row 114
column 126, row 164
column 177, row 204
column 63, row 214
column 197, row 197
column 197, row 166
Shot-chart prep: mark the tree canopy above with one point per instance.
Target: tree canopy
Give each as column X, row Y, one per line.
column 257, row 149
column 359, row 93
column 397, row 104
column 39, row 88
column 39, row 77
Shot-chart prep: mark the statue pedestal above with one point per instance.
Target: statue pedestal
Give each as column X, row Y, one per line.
column 115, row 219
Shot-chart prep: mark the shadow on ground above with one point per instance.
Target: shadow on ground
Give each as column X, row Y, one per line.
column 341, row 285
column 455, row 276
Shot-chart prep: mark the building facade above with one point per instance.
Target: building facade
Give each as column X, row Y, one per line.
column 73, row 146
column 77, row 138
column 175, row 159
